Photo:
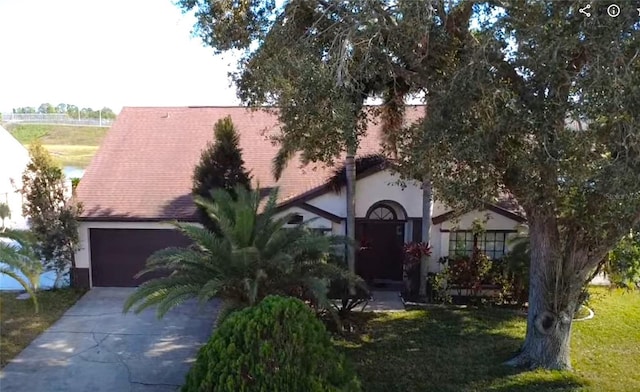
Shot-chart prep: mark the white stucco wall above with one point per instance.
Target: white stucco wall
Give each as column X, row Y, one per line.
column 338, row 228
column 374, row 188
column 331, row 202
column 13, row 161
column 312, row 220
column 382, row 186
column 436, row 247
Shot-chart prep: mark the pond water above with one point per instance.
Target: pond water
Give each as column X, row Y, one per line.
column 73, row 172
column 47, row 281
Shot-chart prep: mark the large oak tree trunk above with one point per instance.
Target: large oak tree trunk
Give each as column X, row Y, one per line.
column 553, row 300
column 427, row 201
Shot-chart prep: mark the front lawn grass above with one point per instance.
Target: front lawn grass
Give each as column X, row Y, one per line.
column 19, row 325
column 462, row 350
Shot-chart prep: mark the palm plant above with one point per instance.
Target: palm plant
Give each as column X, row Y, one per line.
column 21, row 262
column 516, row 266
column 253, row 255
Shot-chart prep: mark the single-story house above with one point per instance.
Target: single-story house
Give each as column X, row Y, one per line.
column 14, row 159
column 142, row 174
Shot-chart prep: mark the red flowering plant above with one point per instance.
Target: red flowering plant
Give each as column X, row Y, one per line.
column 413, row 252
column 468, row 272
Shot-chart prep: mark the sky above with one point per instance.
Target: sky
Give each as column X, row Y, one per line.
column 111, row 53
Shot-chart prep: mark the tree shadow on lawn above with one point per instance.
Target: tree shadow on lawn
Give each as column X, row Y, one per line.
column 447, row 350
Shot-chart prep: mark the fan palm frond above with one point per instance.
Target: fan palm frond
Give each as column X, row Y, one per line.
column 27, row 287
column 21, row 262
column 254, row 254
column 282, row 158
column 160, row 292
column 202, row 238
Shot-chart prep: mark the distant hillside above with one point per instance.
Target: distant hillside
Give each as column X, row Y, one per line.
column 70, row 145
column 58, row 134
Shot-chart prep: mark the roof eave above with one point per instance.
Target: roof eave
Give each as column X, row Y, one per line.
column 116, row 218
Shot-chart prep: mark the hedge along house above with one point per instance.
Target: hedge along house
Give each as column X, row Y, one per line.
column 142, row 175
column 14, row 159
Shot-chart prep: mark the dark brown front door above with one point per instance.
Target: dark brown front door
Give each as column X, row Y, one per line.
column 118, row 254
column 380, row 253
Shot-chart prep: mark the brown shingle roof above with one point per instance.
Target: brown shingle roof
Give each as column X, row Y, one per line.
column 143, row 169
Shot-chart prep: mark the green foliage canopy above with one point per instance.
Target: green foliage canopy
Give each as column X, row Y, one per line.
column 71, row 110
column 277, row 345
column 52, row 216
column 221, row 167
column 623, row 262
column 316, row 61
column 541, row 102
column 554, row 122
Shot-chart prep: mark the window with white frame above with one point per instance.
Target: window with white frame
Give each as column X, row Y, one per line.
column 492, row 243
column 382, row 212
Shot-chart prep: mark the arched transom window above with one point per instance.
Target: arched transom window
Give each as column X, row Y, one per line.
column 382, row 212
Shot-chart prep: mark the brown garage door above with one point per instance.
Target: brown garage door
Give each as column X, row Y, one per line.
column 118, row 254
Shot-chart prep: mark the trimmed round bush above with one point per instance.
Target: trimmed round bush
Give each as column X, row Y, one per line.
column 278, row 346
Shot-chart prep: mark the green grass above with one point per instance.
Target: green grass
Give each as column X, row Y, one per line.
column 19, row 325
column 69, row 145
column 462, row 350
column 58, row 134
column 65, row 155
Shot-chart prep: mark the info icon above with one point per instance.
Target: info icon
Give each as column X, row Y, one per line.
column 613, row 10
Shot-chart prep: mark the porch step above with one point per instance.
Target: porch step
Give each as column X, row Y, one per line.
column 385, row 301
column 386, row 285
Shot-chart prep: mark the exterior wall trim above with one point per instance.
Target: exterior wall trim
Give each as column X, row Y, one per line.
column 487, row 206
column 320, row 212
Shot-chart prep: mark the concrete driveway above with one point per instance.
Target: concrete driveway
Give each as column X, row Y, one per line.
column 95, row 348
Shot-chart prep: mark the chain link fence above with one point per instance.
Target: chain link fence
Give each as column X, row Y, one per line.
column 54, row 118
